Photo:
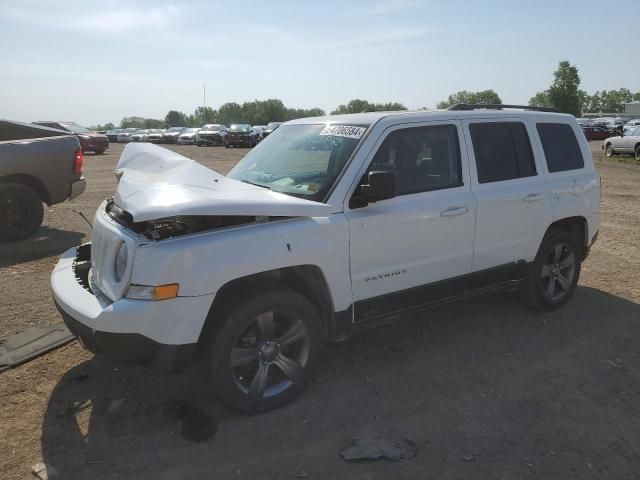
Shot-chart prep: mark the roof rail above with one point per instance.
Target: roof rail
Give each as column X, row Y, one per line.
column 479, row 106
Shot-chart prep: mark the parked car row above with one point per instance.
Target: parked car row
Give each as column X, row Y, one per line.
column 603, row 128
column 236, row 135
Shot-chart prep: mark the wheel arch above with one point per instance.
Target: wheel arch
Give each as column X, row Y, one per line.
column 577, row 225
column 30, row 181
column 307, row 280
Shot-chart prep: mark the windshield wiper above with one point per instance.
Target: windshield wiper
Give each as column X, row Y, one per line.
column 256, row 184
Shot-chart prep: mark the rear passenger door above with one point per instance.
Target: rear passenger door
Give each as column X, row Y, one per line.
column 512, row 202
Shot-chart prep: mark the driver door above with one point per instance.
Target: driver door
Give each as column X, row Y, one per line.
column 416, row 248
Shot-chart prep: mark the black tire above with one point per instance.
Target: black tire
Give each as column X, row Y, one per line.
column 98, row 152
column 21, row 212
column 554, row 274
column 226, row 145
column 277, row 341
column 609, row 151
column 637, row 153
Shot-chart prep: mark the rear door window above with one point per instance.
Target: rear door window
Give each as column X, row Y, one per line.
column 561, row 148
column 502, row 151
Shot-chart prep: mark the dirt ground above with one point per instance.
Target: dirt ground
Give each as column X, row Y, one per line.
column 484, row 389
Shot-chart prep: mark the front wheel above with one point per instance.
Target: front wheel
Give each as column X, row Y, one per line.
column 266, row 351
column 637, row 153
column 554, row 273
column 610, row 152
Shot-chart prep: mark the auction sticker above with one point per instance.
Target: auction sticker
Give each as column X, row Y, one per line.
column 343, row 131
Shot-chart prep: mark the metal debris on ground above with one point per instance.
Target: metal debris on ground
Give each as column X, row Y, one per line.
column 379, row 448
column 32, row 343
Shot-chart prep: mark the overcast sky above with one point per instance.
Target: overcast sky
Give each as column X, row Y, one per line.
column 95, row 62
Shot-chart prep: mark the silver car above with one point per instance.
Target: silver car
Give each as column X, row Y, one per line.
column 626, row 144
column 154, row 135
column 140, row 135
column 125, row 135
column 188, row 136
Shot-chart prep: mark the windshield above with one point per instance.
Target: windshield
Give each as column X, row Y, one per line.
column 300, row 160
column 190, row 130
column 240, row 128
column 213, row 128
column 75, row 128
column 175, row 129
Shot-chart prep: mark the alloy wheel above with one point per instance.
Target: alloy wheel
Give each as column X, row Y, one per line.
column 270, row 354
column 558, row 272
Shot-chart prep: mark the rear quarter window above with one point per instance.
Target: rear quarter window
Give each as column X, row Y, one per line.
column 561, row 147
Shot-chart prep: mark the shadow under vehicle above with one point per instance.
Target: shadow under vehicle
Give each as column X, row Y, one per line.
column 529, row 394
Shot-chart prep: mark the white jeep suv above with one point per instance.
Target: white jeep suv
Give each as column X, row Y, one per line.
column 329, row 226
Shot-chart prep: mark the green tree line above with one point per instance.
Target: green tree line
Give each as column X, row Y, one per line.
column 564, row 93
column 257, row 112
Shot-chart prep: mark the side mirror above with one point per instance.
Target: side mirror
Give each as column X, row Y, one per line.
column 381, row 186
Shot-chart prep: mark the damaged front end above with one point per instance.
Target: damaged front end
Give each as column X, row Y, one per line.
column 176, row 226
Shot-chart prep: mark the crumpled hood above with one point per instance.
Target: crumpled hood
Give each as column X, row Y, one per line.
column 156, row 183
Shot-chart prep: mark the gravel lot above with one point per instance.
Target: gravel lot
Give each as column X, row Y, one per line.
column 483, row 388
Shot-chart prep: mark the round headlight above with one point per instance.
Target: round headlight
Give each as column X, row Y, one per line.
column 122, row 258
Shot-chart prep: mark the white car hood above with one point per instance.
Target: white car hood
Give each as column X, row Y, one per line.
column 156, row 183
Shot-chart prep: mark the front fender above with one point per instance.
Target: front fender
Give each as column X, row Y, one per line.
column 202, row 263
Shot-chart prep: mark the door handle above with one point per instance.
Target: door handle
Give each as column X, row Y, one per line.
column 533, row 197
column 452, row 211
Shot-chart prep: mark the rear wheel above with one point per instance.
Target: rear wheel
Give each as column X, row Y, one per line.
column 637, row 153
column 265, row 351
column 610, row 152
column 21, row 211
column 554, row 273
